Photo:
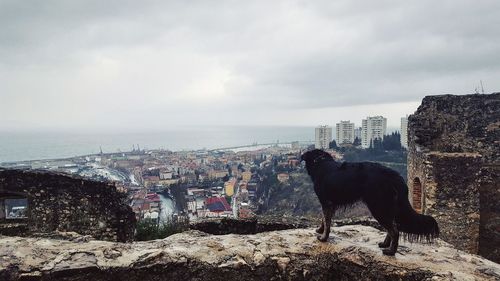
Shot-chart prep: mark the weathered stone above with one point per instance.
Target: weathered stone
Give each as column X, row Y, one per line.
column 279, row 255
column 221, row 226
column 453, row 168
column 245, row 226
column 62, row 203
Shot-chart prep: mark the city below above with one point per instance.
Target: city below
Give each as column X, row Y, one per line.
column 163, row 185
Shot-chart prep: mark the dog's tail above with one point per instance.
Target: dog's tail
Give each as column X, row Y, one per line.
column 416, row 227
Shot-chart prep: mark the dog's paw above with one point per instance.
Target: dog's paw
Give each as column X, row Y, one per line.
column 383, row 245
column 388, row 252
column 322, row 238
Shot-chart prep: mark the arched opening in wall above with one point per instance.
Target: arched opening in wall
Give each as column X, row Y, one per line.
column 417, row 195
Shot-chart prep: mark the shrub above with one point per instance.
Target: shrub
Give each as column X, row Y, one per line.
column 148, row 229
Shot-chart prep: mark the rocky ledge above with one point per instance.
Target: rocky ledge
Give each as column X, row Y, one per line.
column 295, row 254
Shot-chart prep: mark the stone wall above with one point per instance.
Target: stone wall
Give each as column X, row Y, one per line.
column 455, row 198
column 350, row 254
column 449, row 123
column 489, row 207
column 218, row 226
column 244, row 226
column 58, row 202
column 454, row 152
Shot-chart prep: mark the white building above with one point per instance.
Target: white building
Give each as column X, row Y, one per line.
column 372, row 128
column 404, row 132
column 323, row 136
column 164, row 175
column 345, row 132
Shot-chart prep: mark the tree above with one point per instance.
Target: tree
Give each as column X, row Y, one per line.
column 333, row 145
column 377, row 145
column 392, row 141
column 357, row 141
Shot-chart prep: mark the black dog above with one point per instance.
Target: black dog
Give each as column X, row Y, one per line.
column 383, row 191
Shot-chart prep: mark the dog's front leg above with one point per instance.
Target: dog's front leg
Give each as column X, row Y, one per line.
column 386, row 243
column 327, row 213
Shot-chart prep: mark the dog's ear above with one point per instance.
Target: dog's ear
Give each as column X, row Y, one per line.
column 304, row 156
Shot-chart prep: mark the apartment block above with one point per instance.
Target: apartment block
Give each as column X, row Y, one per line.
column 345, row 133
column 323, row 137
column 404, row 132
column 372, row 128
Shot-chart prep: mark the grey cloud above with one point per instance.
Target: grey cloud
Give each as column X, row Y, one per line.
column 176, row 56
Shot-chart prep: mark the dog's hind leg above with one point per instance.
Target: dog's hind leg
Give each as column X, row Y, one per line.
column 327, row 222
column 389, row 222
column 385, row 215
column 321, row 228
column 393, row 232
column 386, row 222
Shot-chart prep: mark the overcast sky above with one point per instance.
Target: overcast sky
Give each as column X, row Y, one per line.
column 161, row 64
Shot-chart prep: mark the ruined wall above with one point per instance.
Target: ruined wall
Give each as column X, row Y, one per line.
column 453, row 202
column 489, row 201
column 65, row 203
column 454, row 150
column 456, row 199
column 449, row 123
column 419, row 169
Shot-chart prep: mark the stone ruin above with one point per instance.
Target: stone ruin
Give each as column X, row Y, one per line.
column 41, row 202
column 453, row 169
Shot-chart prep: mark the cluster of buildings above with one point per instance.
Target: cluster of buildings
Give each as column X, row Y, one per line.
column 237, row 194
column 207, row 203
column 235, row 198
column 372, row 128
column 212, row 183
column 146, row 205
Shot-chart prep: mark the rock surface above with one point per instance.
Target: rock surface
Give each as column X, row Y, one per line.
column 351, row 254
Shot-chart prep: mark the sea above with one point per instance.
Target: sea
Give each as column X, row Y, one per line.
column 35, row 145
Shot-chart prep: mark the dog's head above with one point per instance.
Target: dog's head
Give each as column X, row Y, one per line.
column 314, row 156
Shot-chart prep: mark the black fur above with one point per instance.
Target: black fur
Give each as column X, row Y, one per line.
column 339, row 185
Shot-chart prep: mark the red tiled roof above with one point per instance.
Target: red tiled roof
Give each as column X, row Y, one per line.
column 217, row 204
column 153, row 197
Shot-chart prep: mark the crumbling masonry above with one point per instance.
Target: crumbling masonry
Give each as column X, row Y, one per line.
column 34, row 202
column 453, row 168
